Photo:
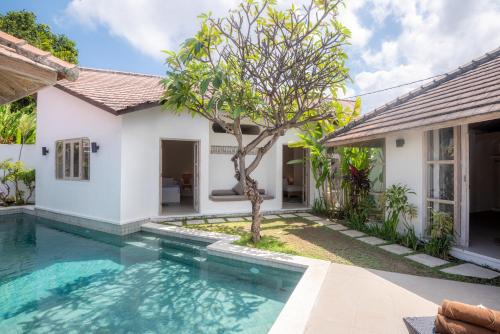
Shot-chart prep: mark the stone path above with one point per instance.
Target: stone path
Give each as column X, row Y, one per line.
column 195, row 222
column 337, row 227
column 353, row 233
column 236, row 219
column 271, row 217
column 427, row 260
column 314, row 218
column 288, row 215
column 397, row 249
column 374, row 241
column 467, row 269
column 216, row 220
column 471, row 270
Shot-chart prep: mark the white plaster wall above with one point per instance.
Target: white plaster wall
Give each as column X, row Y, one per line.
column 28, row 155
column 141, row 137
column 405, row 165
column 63, row 116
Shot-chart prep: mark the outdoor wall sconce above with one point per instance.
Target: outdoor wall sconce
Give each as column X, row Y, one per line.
column 45, row 150
column 400, row 142
column 95, row 147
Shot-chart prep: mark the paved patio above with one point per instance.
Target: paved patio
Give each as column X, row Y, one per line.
column 358, row 300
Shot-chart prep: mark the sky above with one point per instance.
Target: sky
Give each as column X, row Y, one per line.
column 393, row 41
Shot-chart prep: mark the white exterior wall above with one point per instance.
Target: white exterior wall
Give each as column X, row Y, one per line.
column 63, row 116
column 141, row 137
column 405, row 165
column 124, row 181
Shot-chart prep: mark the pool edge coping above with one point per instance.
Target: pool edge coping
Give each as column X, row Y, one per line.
column 296, row 312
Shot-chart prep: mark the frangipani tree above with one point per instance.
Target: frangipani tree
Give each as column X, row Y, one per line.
column 278, row 69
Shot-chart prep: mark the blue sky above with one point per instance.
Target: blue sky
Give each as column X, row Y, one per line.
column 393, row 41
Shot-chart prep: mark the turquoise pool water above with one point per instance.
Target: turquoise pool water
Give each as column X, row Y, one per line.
column 56, row 278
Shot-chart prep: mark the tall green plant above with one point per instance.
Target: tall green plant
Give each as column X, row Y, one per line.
column 441, row 234
column 17, row 126
column 398, row 209
column 320, row 156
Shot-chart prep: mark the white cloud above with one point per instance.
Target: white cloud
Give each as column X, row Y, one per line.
column 436, row 37
column 153, row 25
column 148, row 25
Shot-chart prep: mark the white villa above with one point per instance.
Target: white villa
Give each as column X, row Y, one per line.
column 443, row 141
column 109, row 153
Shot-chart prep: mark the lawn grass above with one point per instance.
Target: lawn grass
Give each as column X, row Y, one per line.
column 298, row 236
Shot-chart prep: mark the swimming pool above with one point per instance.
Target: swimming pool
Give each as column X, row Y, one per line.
column 58, row 278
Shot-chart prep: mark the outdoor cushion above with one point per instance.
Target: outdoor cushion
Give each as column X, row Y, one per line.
column 238, row 189
column 223, row 192
column 234, row 198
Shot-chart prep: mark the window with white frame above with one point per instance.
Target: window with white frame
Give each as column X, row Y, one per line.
column 73, row 159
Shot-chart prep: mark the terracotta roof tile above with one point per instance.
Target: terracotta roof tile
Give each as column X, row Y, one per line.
column 470, row 90
column 116, row 92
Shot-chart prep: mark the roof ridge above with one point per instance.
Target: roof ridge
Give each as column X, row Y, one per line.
column 447, row 76
column 120, row 72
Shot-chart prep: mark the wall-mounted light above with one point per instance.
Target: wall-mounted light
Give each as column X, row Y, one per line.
column 400, row 142
column 45, row 150
column 95, row 147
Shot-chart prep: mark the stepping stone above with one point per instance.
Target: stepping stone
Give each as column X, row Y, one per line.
column 195, row 222
column 353, row 233
column 397, row 249
column 216, row 220
column 374, row 241
column 337, row 227
column 327, row 222
column 272, row 217
column 288, row 215
column 236, row 219
column 304, row 214
column 323, row 222
column 178, row 223
column 471, row 270
column 427, row 260
column 314, row 218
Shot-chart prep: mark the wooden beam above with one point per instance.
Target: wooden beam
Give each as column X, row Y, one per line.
column 29, row 70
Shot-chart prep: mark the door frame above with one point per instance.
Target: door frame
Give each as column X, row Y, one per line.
column 306, row 171
column 196, row 172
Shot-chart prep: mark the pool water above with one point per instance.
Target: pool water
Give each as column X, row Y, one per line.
column 57, row 278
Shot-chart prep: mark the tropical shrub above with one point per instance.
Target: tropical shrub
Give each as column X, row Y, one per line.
column 398, row 209
column 441, row 235
column 321, row 206
column 13, row 175
column 17, row 126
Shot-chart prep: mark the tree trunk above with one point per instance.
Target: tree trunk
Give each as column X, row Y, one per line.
column 256, row 200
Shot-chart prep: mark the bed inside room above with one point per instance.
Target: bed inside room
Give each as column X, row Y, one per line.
column 177, row 177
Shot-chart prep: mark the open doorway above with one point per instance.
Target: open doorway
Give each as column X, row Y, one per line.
column 484, row 181
column 295, row 178
column 178, row 177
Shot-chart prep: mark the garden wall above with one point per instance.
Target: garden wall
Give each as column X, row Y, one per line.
column 11, row 151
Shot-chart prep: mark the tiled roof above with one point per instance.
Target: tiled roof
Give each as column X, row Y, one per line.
column 472, row 89
column 116, row 92
column 21, row 50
